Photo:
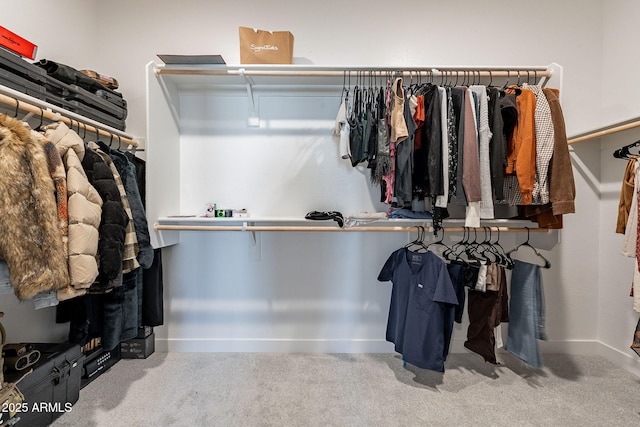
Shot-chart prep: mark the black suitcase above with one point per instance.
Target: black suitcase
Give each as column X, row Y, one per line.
column 95, row 114
column 53, row 386
column 21, row 84
column 86, row 111
column 113, row 97
column 76, row 93
column 93, row 100
column 16, row 65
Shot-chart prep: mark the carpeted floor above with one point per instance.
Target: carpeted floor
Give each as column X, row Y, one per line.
column 273, row 389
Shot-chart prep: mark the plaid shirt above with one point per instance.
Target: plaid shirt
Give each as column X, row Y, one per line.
column 544, row 146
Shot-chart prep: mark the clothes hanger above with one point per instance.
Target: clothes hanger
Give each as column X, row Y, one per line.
column 484, row 248
column 526, row 244
column 455, row 252
column 473, row 251
column 39, row 128
column 505, row 260
column 419, row 241
column 624, row 153
column 506, row 84
column 439, row 243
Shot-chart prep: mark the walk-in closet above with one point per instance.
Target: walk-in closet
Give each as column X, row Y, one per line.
column 428, row 217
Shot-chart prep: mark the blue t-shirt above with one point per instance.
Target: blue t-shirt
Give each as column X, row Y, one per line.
column 422, row 309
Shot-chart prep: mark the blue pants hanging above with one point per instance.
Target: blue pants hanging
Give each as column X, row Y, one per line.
column 526, row 314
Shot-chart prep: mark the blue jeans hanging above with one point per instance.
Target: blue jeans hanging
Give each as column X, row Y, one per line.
column 526, row 314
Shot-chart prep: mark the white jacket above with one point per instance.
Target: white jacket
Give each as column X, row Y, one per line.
column 84, row 204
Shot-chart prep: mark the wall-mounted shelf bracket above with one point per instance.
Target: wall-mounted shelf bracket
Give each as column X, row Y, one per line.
column 253, row 119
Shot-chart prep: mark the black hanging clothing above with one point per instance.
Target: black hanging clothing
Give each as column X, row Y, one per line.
column 497, row 147
column 141, row 171
column 403, row 190
column 357, row 130
column 432, row 136
column 112, row 223
column 153, row 288
column 509, row 115
column 457, row 96
column 452, row 131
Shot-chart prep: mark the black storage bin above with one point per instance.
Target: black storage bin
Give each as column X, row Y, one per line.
column 53, row 386
column 97, row 363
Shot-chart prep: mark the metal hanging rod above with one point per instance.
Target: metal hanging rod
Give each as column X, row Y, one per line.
column 302, row 228
column 46, row 111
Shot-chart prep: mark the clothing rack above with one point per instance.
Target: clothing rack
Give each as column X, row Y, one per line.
column 53, row 113
column 302, row 228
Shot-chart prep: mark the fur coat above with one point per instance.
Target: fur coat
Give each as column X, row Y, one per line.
column 30, row 235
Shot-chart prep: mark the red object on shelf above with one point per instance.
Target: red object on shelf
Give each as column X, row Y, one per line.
column 17, row 44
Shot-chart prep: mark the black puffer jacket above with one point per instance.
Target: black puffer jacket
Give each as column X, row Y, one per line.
column 112, row 225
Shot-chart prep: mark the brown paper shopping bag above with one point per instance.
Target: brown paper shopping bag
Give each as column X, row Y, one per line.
column 265, row 47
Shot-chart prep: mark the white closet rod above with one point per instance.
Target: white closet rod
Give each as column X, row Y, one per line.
column 57, row 116
column 302, row 228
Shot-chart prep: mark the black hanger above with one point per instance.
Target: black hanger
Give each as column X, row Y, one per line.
column 484, row 248
column 624, row 153
column 526, row 244
column 15, row 116
column 418, row 243
column 39, row 128
column 454, row 253
column 504, row 260
column 473, row 249
column 440, row 243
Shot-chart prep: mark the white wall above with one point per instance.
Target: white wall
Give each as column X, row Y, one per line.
column 500, row 32
column 620, row 32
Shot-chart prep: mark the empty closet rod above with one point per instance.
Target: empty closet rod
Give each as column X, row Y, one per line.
column 50, row 115
column 405, row 229
column 604, row 132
